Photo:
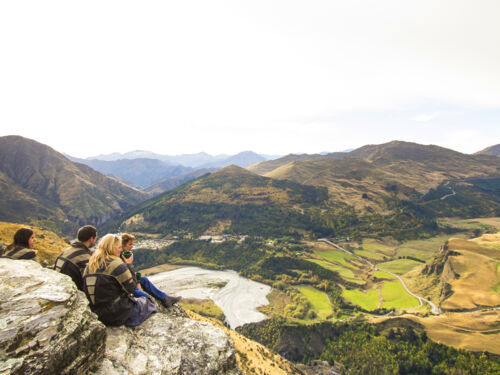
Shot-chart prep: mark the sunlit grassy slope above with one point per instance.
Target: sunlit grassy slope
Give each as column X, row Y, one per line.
column 253, row 358
column 318, row 301
column 475, row 331
column 399, row 266
column 478, row 276
column 381, row 170
column 40, row 186
column 396, row 297
column 368, row 301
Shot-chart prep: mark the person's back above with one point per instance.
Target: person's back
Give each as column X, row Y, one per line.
column 18, row 252
column 109, row 290
column 22, row 246
column 109, row 287
column 73, row 260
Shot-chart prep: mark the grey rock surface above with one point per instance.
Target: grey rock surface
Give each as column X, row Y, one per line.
column 46, row 326
column 168, row 343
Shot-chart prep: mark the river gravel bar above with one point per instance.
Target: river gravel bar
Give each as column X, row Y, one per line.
column 239, row 298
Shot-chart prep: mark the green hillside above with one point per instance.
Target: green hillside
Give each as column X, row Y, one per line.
column 40, row 186
column 235, row 201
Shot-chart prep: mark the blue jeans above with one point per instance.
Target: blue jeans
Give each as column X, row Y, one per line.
column 148, row 286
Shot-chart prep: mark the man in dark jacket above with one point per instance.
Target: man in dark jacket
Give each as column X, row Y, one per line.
column 74, row 259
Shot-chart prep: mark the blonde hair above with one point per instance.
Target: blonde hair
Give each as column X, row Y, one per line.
column 126, row 238
column 105, row 250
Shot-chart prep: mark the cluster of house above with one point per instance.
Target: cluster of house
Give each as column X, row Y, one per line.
column 153, row 244
column 223, row 238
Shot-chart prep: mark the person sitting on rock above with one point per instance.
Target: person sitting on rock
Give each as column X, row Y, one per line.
column 109, row 286
column 74, row 259
column 22, row 246
column 144, row 284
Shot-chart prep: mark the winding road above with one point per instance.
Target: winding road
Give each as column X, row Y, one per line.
column 448, row 195
column 435, row 309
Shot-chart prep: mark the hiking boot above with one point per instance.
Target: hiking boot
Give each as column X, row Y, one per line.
column 170, row 301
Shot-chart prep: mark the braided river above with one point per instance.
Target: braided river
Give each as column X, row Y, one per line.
column 239, row 298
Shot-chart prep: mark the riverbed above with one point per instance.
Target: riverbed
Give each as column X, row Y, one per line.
column 239, row 298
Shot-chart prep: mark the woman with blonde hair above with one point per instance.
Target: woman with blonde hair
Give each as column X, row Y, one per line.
column 109, row 286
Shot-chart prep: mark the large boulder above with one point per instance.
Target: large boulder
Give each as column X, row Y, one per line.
column 169, row 343
column 46, row 327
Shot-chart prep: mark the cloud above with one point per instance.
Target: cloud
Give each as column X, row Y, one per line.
column 425, row 117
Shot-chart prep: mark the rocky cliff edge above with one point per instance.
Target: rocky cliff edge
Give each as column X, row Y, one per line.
column 46, row 327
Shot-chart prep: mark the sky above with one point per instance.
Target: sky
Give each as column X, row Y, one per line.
column 276, row 77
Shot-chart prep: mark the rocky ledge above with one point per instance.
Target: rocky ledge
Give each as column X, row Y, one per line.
column 46, row 327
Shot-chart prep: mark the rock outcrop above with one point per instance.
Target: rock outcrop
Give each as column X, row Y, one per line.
column 168, row 343
column 46, row 327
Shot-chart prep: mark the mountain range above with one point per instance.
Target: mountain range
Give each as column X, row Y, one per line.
column 157, row 173
column 375, row 187
column 311, row 193
column 367, row 176
column 199, row 160
column 140, row 173
column 40, row 186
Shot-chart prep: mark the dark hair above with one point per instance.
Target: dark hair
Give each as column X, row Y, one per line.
column 86, row 233
column 22, row 236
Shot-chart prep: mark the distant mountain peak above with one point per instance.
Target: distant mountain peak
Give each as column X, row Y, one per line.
column 492, row 151
column 233, row 170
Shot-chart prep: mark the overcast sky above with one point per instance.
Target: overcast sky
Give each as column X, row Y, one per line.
column 275, row 77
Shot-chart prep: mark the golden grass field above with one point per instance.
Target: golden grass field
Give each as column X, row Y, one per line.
column 252, row 357
column 477, row 267
column 48, row 244
column 476, row 288
column 493, row 221
column 204, row 307
column 475, row 331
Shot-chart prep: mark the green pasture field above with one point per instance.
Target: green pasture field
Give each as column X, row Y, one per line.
column 318, row 301
column 382, row 275
column 336, row 256
column 467, row 224
column 372, row 245
column 396, row 297
column 368, row 301
column 370, row 254
column 399, row 266
column 422, row 249
column 345, row 273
